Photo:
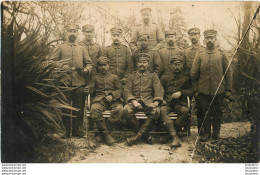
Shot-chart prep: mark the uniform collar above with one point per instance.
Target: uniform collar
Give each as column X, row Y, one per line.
column 91, row 42
column 171, row 48
column 72, row 44
column 105, row 75
column 195, row 46
column 143, row 74
column 173, row 74
column 147, row 24
column 211, row 51
column 117, row 45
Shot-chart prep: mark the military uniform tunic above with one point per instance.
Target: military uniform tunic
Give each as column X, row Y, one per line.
column 121, row 62
column 189, row 55
column 94, row 51
column 167, row 53
column 154, row 32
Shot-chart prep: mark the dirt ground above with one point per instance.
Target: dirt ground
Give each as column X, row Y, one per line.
column 145, row 153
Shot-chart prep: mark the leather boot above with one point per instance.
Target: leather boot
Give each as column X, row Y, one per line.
column 205, row 137
column 216, row 130
column 101, row 125
column 173, row 135
column 147, row 125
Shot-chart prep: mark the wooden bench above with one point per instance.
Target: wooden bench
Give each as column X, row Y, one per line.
column 141, row 115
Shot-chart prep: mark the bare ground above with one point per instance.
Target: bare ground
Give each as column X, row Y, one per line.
column 145, row 153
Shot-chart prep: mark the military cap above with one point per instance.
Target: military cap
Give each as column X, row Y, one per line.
column 116, row 30
column 169, row 32
column 146, row 10
column 194, row 30
column 176, row 59
column 143, row 56
column 88, row 27
column 71, row 26
column 143, row 36
column 103, row 60
column 210, row 32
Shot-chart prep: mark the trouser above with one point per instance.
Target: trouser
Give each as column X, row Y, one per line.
column 76, row 125
column 131, row 120
column 116, row 108
column 214, row 115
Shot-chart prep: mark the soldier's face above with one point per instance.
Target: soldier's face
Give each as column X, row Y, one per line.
column 194, row 38
column 103, row 68
column 146, row 17
column 210, row 41
column 176, row 67
column 116, row 37
column 144, row 43
column 72, row 35
column 88, row 35
column 170, row 39
column 142, row 64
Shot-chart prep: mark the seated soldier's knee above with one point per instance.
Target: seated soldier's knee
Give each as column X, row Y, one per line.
column 156, row 113
column 96, row 111
column 128, row 110
column 184, row 110
column 119, row 108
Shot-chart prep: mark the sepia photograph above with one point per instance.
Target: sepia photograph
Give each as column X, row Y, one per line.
column 130, row 82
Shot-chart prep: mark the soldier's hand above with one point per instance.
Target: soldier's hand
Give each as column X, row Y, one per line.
column 154, row 104
column 87, row 90
column 66, row 68
column 85, row 70
column 227, row 93
column 176, row 95
column 137, row 104
column 109, row 98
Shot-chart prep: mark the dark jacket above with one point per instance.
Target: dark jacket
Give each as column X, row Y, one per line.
column 77, row 57
column 167, row 53
column 94, row 51
column 145, row 87
column 104, row 85
column 121, row 62
column 207, row 71
column 173, row 83
column 155, row 64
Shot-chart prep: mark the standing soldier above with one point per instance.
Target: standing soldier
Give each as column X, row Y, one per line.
column 74, row 60
column 93, row 49
column 207, row 71
column 154, row 32
column 121, row 62
column 143, row 92
column 190, row 52
column 155, row 64
column 170, row 50
column 177, row 87
column 189, row 55
column 107, row 92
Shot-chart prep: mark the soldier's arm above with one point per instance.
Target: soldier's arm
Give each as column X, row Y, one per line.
column 117, row 88
column 104, row 52
column 195, row 72
column 89, row 89
column 187, row 87
column 133, row 41
column 160, row 38
column 158, row 66
column 128, row 95
column 129, row 61
column 158, row 89
column 229, row 74
column 87, row 61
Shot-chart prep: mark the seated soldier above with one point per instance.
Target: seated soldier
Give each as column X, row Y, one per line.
column 177, row 87
column 143, row 92
column 107, row 90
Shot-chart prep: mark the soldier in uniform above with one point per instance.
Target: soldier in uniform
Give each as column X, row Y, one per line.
column 207, row 72
column 154, row 32
column 155, row 64
column 189, row 55
column 93, row 49
column 74, row 60
column 177, row 87
column 143, row 92
column 190, row 52
column 107, row 90
column 121, row 62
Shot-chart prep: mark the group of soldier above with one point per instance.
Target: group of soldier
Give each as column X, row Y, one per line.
column 154, row 76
